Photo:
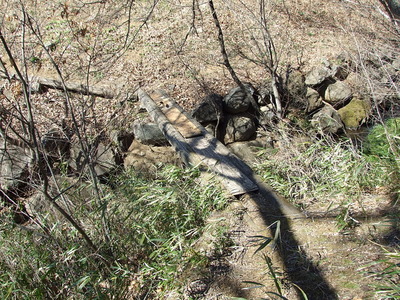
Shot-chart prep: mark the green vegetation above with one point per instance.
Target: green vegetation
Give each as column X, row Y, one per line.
column 334, row 170
column 384, row 141
column 323, row 170
column 153, row 224
column 389, row 289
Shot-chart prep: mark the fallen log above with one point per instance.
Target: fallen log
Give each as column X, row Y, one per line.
column 107, row 92
column 173, row 136
column 82, row 89
column 198, row 146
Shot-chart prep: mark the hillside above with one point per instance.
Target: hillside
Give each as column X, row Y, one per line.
column 90, row 210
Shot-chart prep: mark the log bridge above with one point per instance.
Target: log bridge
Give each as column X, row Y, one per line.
column 195, row 145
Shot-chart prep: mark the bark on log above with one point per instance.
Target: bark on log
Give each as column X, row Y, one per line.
column 234, row 174
column 173, row 136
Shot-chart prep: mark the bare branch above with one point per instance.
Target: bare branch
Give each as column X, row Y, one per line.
column 3, row 71
column 225, row 57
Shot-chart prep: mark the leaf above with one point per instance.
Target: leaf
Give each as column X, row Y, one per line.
column 280, row 296
column 267, row 241
column 273, row 274
column 81, row 283
column 301, row 291
column 256, row 285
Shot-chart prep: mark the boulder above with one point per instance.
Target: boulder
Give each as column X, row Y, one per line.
column 338, row 92
column 149, row 134
column 342, row 63
column 209, row 110
column 327, row 120
column 236, row 101
column 146, row 158
column 268, row 115
column 72, row 198
column 296, row 90
column 36, row 205
column 14, row 165
column 355, row 81
column 77, row 160
column 314, row 100
column 266, row 95
column 329, row 70
column 319, row 74
column 239, row 128
column 105, row 158
column 354, row 113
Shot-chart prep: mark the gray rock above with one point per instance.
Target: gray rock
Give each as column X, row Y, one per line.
column 266, row 95
column 107, row 159
column 268, row 115
column 236, row 101
column 319, row 74
column 149, row 134
column 239, row 128
column 37, row 205
column 71, row 200
column 327, row 120
column 209, row 110
column 77, row 160
column 314, row 100
column 338, row 92
column 355, row 81
column 342, row 63
column 14, row 165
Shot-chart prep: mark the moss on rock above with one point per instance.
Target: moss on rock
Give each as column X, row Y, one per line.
column 354, row 113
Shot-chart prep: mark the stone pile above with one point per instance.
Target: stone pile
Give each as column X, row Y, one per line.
column 231, row 118
column 334, row 96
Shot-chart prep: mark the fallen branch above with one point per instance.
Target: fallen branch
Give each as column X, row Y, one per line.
column 103, row 92
column 74, row 87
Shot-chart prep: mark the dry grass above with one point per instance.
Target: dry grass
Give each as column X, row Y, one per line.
column 92, row 44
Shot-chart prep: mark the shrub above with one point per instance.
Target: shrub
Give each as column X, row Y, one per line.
column 153, row 224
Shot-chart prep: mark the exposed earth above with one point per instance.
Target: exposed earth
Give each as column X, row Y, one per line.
column 309, row 249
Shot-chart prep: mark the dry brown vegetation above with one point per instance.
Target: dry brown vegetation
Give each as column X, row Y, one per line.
column 173, row 45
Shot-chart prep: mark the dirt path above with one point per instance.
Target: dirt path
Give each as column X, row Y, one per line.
column 308, row 255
